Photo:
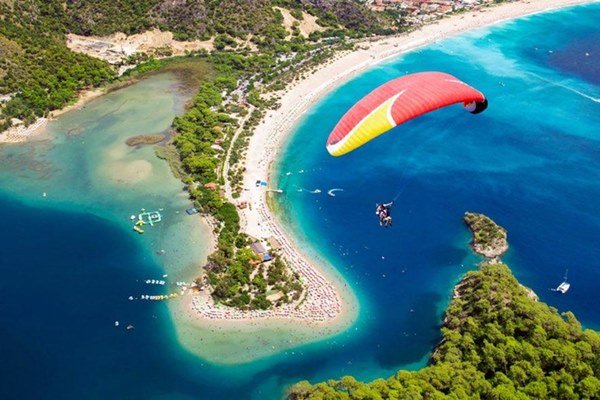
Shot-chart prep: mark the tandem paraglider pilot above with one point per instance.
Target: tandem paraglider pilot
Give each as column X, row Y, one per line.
column 383, row 211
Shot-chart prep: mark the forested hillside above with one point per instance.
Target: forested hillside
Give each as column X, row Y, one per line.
column 36, row 67
column 498, row 343
column 38, row 73
column 205, row 18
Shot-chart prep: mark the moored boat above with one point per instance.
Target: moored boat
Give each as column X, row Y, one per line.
column 564, row 286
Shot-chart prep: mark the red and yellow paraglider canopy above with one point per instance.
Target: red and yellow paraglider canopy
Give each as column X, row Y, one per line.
column 398, row 101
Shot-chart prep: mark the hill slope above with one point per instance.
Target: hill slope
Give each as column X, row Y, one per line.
column 205, row 18
column 36, row 67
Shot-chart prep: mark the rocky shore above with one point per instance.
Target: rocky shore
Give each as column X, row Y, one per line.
column 489, row 238
column 490, row 241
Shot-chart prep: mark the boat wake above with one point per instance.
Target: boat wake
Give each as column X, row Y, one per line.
column 569, row 88
column 587, row 96
column 316, row 191
column 331, row 192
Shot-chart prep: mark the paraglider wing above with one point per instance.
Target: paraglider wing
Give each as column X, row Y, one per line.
column 398, row 101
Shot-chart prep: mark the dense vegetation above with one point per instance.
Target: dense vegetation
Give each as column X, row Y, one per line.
column 498, row 343
column 236, row 276
column 36, row 67
column 488, row 237
column 245, row 282
column 206, row 18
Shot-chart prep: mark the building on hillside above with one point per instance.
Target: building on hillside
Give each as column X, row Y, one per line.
column 418, row 12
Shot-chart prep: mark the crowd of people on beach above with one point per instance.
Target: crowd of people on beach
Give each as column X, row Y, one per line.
column 319, row 303
column 20, row 133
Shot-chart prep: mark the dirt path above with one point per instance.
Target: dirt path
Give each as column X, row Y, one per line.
column 226, row 166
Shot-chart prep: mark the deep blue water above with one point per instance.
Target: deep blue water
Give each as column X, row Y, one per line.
column 531, row 162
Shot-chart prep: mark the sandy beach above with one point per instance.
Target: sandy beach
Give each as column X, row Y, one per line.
column 22, row 133
column 330, row 306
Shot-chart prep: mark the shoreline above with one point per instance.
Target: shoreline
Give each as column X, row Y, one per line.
column 269, row 137
column 21, row 133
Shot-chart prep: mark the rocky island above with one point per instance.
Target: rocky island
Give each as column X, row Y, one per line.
column 489, row 238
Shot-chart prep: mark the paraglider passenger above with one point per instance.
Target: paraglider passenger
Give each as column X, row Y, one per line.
column 383, row 212
column 388, row 221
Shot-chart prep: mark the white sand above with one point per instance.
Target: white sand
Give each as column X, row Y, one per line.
column 329, row 301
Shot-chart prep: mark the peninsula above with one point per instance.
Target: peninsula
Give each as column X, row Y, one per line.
column 262, row 144
column 498, row 342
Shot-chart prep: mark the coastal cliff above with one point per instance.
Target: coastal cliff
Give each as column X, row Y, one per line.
column 498, row 342
column 489, row 238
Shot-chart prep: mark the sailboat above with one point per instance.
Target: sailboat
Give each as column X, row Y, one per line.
column 564, row 286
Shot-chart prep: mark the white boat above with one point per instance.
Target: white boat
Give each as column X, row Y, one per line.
column 564, row 286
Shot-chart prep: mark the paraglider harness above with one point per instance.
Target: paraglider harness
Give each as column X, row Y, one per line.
column 383, row 212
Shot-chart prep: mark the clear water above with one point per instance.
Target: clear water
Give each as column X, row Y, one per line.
column 531, row 161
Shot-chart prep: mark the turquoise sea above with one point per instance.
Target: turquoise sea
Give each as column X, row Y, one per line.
column 69, row 260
